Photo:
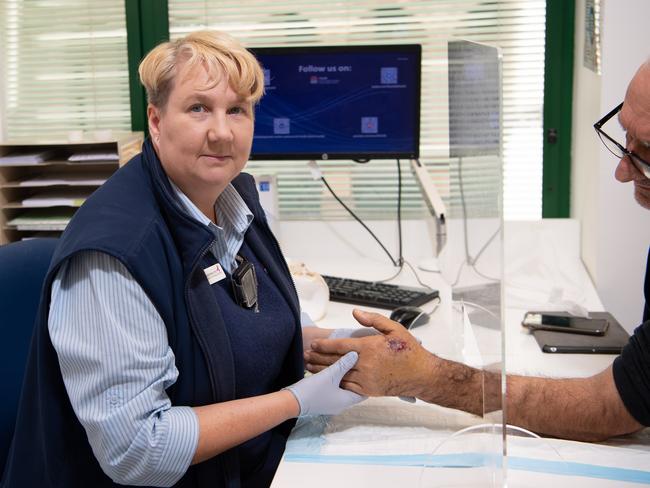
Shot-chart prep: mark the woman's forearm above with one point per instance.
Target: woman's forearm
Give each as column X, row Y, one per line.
column 228, row 424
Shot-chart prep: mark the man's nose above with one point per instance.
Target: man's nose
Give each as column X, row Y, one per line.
column 625, row 171
column 220, row 129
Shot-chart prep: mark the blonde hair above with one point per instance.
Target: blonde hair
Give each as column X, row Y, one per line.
column 220, row 53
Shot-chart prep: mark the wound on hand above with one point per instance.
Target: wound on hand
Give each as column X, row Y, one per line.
column 397, row 345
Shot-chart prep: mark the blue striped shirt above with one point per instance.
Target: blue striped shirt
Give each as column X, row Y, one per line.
column 234, row 217
column 116, row 361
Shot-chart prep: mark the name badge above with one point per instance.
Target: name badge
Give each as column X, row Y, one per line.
column 214, row 273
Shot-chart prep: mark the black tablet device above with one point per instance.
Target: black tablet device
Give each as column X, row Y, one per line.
column 612, row 342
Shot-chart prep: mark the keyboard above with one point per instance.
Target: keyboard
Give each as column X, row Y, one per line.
column 379, row 295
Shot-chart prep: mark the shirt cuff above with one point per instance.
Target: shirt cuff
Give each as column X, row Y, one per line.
column 305, row 320
column 181, row 445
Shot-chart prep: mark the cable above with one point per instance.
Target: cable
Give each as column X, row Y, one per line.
column 489, row 278
column 460, row 269
column 468, row 259
column 399, row 211
column 400, row 260
column 437, row 304
column 395, row 263
column 478, row 255
column 393, row 276
column 416, row 275
column 463, row 303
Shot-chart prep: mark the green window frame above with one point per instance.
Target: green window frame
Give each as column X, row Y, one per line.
column 147, row 24
column 558, row 89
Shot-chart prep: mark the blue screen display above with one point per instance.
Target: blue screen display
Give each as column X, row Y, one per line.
column 352, row 102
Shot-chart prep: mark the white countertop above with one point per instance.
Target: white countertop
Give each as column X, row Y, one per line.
column 383, row 442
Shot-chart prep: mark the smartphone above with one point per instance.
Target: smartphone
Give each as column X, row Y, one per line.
column 565, row 323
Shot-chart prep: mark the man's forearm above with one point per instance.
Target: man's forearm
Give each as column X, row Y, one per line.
column 455, row 385
column 587, row 409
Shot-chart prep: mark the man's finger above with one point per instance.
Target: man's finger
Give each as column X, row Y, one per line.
column 315, row 368
column 380, row 322
column 352, row 386
column 353, row 376
column 334, row 346
column 313, row 357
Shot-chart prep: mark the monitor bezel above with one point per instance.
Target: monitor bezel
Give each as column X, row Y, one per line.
column 360, row 156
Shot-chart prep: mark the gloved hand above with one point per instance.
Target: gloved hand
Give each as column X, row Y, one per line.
column 352, row 333
column 320, row 393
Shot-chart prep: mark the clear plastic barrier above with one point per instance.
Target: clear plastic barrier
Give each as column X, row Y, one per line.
column 471, row 262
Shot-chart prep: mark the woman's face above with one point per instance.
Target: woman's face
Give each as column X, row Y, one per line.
column 202, row 136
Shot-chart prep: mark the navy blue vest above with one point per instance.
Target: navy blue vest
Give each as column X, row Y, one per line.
column 261, row 339
column 135, row 218
column 646, row 290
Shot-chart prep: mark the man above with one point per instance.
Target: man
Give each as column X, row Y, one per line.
column 613, row 402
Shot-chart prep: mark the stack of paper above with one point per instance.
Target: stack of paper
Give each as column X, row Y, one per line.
column 94, row 156
column 26, row 157
column 90, row 179
column 46, row 219
column 72, row 197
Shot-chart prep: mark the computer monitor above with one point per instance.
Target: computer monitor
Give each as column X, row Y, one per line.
column 339, row 102
column 474, row 99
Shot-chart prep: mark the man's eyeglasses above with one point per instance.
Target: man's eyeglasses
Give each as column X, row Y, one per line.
column 617, row 149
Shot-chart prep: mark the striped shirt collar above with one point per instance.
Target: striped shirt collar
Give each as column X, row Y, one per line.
column 234, row 218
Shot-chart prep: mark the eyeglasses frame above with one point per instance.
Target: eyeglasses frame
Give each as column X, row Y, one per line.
column 634, row 157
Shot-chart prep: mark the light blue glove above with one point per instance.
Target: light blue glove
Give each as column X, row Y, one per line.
column 320, row 393
column 352, row 333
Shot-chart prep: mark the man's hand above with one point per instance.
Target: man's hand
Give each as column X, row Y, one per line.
column 391, row 363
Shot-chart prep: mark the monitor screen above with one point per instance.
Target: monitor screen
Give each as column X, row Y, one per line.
column 345, row 102
column 474, row 99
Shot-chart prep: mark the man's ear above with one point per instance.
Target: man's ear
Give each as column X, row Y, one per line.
column 153, row 119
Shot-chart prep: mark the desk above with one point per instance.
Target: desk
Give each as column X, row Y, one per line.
column 383, row 441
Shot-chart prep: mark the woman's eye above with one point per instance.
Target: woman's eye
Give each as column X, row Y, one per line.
column 197, row 108
column 237, row 110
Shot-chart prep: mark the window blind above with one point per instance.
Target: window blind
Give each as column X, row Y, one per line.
column 515, row 26
column 65, row 66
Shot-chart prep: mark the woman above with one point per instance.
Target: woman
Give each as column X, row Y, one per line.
column 169, row 325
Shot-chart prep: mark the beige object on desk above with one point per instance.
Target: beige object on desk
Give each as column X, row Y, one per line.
column 312, row 290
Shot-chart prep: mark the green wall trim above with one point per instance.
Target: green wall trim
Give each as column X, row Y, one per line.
column 558, row 102
column 147, row 24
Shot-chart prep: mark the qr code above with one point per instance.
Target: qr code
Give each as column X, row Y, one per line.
column 388, row 76
column 281, row 126
column 369, row 125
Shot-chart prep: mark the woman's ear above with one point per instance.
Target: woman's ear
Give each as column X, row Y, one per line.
column 153, row 118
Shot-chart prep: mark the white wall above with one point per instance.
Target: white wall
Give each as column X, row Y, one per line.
column 615, row 229
column 2, row 91
column 585, row 146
